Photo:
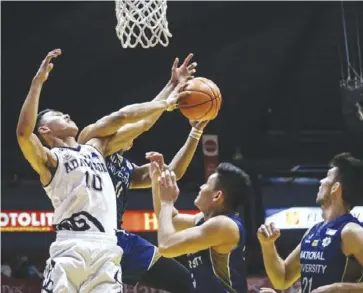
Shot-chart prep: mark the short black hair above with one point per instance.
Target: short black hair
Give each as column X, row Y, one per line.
column 235, row 184
column 350, row 176
column 39, row 119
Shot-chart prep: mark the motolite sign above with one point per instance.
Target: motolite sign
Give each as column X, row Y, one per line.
column 41, row 221
column 18, row 221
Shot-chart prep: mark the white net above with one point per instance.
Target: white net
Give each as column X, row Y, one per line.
column 142, row 22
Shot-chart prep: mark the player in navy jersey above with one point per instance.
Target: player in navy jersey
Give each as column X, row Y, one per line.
column 213, row 240
column 141, row 260
column 329, row 258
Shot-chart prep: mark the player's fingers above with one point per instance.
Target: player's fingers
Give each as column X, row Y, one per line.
column 274, row 230
column 192, row 71
column 264, row 231
column 173, row 178
column 155, row 169
column 269, row 231
column 192, row 66
column 50, row 67
column 181, row 86
column 175, row 63
column 160, row 182
column 162, row 179
column 52, row 54
column 168, row 179
column 187, row 60
column 260, row 231
column 153, row 155
column 184, row 94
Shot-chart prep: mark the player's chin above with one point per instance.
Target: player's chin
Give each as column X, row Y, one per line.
column 319, row 200
column 196, row 201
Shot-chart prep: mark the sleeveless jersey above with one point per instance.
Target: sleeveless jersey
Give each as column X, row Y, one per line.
column 81, row 191
column 121, row 172
column 322, row 259
column 216, row 273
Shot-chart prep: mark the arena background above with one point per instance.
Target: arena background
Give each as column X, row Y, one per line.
column 278, row 65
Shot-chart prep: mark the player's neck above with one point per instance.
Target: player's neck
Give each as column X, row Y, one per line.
column 214, row 213
column 64, row 142
column 332, row 212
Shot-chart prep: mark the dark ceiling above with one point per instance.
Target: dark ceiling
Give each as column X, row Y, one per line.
column 277, row 65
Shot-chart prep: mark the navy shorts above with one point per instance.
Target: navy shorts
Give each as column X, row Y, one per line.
column 137, row 258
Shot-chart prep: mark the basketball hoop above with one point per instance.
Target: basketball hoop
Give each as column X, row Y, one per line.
column 142, row 22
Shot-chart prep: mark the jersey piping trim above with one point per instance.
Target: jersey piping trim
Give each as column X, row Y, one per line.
column 225, row 283
column 96, row 150
column 77, row 149
column 54, row 173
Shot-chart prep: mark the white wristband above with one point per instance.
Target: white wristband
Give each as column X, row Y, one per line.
column 196, row 133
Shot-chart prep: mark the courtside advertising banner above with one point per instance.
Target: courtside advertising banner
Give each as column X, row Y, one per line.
column 301, row 217
column 41, row 221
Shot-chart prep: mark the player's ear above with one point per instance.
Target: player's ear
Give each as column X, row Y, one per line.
column 336, row 187
column 43, row 130
column 218, row 196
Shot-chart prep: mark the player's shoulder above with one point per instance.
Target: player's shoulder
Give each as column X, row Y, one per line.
column 351, row 229
column 98, row 144
column 222, row 223
column 224, row 228
column 352, row 238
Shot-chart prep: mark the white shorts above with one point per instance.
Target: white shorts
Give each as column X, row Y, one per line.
column 83, row 262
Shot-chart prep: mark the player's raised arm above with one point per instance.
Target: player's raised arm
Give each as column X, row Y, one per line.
column 282, row 273
column 38, row 156
column 125, row 136
column 110, row 124
column 180, row 221
column 179, row 163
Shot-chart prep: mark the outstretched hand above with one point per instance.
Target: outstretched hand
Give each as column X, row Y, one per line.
column 183, row 73
column 168, row 187
column 46, row 66
column 156, row 164
column 200, row 125
column 268, row 233
column 175, row 96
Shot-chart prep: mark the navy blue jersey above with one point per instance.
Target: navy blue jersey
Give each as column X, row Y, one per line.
column 121, row 171
column 322, row 259
column 216, row 273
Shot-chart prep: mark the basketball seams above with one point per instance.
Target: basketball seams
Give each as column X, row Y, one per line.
column 208, row 93
column 216, row 96
column 195, row 105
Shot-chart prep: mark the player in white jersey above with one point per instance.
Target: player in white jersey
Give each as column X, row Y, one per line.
column 85, row 256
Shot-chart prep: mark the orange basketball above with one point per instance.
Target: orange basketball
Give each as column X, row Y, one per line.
column 204, row 101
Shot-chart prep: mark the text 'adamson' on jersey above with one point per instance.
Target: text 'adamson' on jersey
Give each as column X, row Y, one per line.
column 121, row 171
column 81, row 191
column 219, row 273
column 322, row 260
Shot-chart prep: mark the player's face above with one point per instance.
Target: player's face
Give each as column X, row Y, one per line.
column 58, row 125
column 207, row 193
column 326, row 186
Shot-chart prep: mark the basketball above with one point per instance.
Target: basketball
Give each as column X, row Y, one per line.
column 204, row 101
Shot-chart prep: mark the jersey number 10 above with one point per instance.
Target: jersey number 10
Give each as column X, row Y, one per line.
column 96, row 181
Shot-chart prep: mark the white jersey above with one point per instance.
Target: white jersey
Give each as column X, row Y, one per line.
column 82, row 192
